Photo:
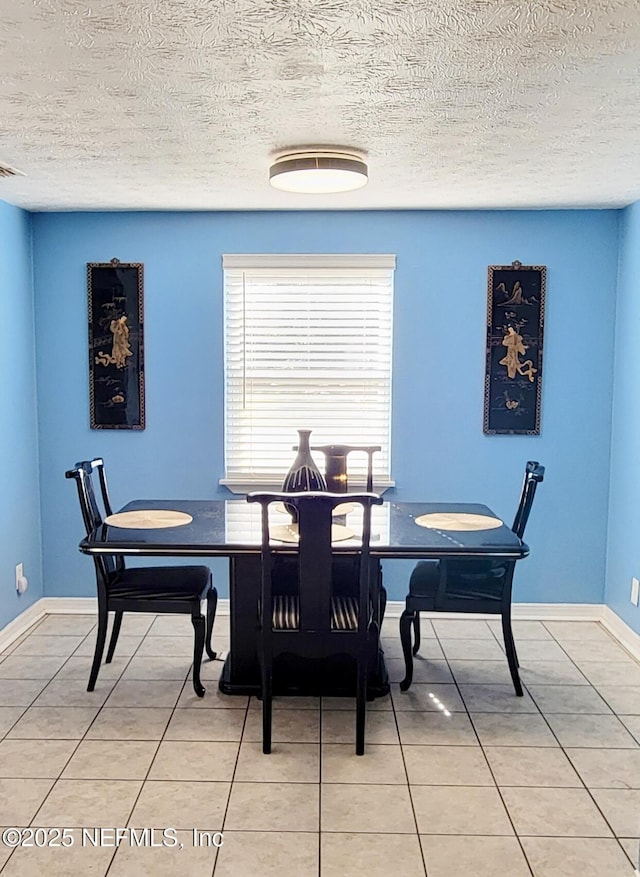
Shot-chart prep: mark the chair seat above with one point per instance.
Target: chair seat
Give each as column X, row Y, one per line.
column 286, row 613
column 177, row 583
column 477, row 579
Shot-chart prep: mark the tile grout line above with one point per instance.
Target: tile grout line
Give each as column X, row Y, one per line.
column 551, row 730
column 185, row 683
column 484, row 754
column 406, row 773
column 320, row 781
column 84, row 738
column 585, row 787
column 232, row 781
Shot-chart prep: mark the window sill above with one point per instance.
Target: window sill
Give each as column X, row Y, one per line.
column 248, row 485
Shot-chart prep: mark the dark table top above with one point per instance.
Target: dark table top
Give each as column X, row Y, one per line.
column 228, row 528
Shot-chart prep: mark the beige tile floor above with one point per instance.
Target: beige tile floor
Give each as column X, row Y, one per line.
column 459, row 777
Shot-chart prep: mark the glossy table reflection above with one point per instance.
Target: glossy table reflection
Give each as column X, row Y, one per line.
column 231, row 528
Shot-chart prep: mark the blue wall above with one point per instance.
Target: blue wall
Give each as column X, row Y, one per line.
column 439, row 450
column 19, row 493
column 623, row 561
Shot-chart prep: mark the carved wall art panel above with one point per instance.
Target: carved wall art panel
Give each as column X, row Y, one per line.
column 515, row 324
column 116, row 351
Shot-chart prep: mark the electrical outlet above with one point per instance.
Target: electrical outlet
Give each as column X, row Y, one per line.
column 635, row 591
column 22, row 583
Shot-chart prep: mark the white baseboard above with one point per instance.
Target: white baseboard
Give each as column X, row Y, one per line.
column 520, row 611
column 12, row 631
column 60, row 606
column 70, row 605
column 89, row 606
column 621, row 631
column 618, row 628
column 557, row 611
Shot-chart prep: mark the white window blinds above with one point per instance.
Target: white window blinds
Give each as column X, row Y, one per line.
column 307, row 346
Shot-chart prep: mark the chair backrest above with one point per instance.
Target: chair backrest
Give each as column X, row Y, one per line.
column 336, row 464
column 533, row 475
column 107, row 565
column 97, row 464
column 314, row 554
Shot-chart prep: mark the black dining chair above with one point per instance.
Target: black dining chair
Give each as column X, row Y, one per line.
column 317, row 620
column 160, row 589
column 473, row 585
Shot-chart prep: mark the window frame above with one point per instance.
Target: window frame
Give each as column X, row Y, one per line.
column 356, row 264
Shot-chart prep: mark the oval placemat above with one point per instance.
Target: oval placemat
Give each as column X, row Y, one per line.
column 458, row 521
column 148, row 519
column 289, row 533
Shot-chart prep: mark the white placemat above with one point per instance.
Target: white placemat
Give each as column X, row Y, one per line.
column 148, row 519
column 458, row 521
column 289, row 533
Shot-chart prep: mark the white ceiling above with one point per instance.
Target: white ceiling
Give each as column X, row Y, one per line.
column 179, row 104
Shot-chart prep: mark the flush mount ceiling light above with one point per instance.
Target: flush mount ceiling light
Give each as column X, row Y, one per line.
column 318, row 172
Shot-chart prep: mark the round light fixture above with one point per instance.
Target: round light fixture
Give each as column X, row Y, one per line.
column 318, row 172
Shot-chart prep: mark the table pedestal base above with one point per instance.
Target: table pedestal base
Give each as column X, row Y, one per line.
column 293, row 677
column 332, row 676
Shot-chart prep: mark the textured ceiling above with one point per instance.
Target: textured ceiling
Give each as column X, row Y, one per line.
column 180, row 104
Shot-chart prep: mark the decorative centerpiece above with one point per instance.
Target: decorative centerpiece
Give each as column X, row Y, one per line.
column 303, row 474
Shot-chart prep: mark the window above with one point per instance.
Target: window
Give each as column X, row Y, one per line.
column 307, row 346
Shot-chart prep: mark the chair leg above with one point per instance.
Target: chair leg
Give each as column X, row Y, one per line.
column 406, row 620
column 115, row 632
column 212, row 603
column 101, row 636
column 198, row 648
column 416, row 632
column 266, row 708
column 510, row 648
column 361, row 701
column 375, row 665
column 383, row 603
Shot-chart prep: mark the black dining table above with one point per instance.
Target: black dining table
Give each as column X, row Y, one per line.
column 231, row 528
